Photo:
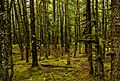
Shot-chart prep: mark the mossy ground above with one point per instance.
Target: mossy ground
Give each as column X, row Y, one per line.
column 78, row 70
column 60, row 71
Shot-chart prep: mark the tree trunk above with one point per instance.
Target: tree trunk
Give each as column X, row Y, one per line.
column 9, row 8
column 45, row 28
column 61, row 27
column 19, row 32
column 116, row 38
column 4, row 42
column 88, row 11
column 67, row 38
column 27, row 38
column 76, row 28
column 33, row 38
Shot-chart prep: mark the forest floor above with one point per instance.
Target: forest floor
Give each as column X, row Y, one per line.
column 52, row 69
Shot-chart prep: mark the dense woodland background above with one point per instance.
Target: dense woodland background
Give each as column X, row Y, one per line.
column 59, row 40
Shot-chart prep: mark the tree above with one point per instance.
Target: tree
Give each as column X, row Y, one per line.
column 33, row 36
column 45, row 28
column 116, row 39
column 19, row 24
column 88, row 19
column 4, row 41
column 67, row 38
column 76, row 29
column 27, row 38
column 61, row 27
column 9, row 8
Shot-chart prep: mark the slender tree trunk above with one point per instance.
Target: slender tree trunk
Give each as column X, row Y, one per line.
column 55, row 27
column 48, row 31
column 9, row 8
column 76, row 28
column 27, row 38
column 45, row 28
column 41, row 27
column 79, row 27
column 33, row 38
column 97, row 39
column 61, row 27
column 54, row 20
column 22, row 27
column 88, row 10
column 67, row 38
column 66, row 25
column 19, row 32
column 104, row 28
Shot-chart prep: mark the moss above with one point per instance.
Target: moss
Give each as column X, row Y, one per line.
column 24, row 72
column 15, row 48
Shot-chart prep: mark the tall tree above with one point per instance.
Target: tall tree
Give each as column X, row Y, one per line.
column 76, row 27
column 54, row 21
column 67, row 40
column 104, row 27
column 45, row 27
column 27, row 38
column 41, row 26
column 4, row 41
column 9, row 8
column 88, row 18
column 61, row 26
column 33, row 36
column 19, row 24
column 116, row 38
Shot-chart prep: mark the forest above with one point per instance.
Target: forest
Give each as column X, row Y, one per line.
column 59, row 40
